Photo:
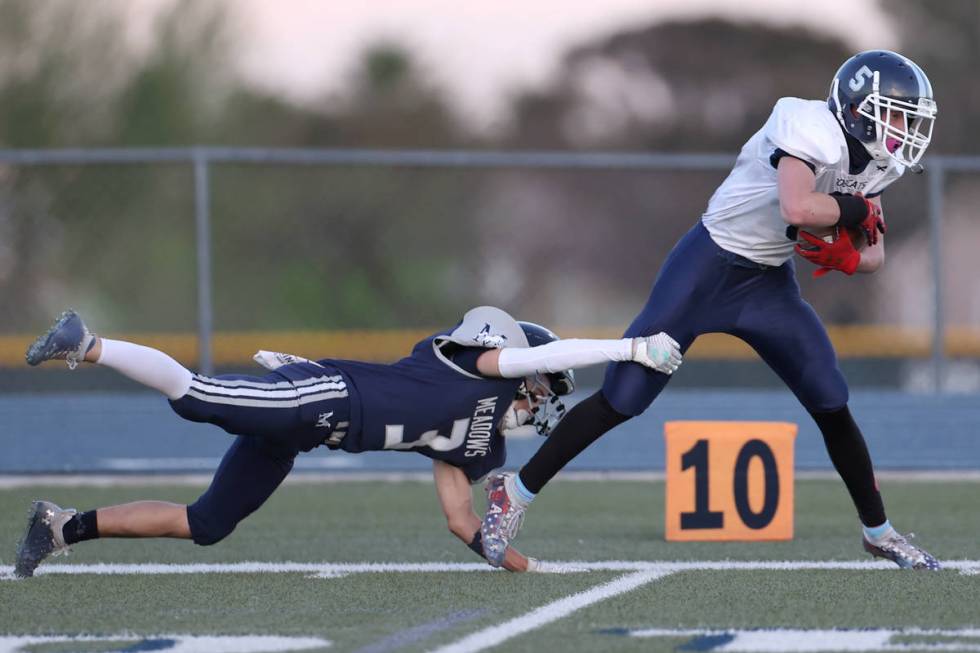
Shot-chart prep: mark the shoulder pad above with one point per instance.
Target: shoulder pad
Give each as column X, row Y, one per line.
column 487, row 326
column 806, row 129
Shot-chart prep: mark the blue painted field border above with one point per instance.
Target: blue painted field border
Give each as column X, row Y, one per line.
column 74, row 433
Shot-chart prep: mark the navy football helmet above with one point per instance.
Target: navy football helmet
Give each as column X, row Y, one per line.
column 870, row 89
column 544, row 399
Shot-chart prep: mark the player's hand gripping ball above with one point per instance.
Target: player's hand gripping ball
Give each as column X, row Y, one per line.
column 832, row 248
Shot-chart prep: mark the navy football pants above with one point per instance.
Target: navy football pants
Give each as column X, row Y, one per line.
column 249, row 473
column 275, row 417
column 703, row 288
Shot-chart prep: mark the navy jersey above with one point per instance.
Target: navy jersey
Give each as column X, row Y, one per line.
column 432, row 402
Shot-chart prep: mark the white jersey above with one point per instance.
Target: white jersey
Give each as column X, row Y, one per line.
column 743, row 215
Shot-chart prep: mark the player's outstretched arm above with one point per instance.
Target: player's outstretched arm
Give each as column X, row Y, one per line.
column 659, row 352
column 456, row 499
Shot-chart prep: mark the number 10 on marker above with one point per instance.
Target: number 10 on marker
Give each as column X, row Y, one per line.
column 729, row 480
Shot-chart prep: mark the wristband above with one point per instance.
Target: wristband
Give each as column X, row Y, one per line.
column 476, row 545
column 853, row 210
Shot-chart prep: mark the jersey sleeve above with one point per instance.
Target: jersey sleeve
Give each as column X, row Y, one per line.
column 780, row 153
column 796, row 128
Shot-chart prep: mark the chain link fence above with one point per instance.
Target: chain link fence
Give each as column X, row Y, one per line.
column 211, row 253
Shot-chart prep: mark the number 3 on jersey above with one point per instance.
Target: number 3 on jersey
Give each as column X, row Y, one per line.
column 395, row 437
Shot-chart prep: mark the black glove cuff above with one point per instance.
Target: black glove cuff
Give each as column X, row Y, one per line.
column 853, row 210
column 476, row 545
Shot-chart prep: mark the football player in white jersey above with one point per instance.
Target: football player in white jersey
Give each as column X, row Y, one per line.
column 814, row 165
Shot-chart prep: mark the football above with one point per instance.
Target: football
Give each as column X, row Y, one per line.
column 831, row 234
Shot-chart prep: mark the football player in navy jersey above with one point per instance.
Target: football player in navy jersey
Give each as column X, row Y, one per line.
column 453, row 399
column 815, row 164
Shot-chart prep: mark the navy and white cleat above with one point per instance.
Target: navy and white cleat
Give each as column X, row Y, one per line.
column 68, row 339
column 43, row 537
column 896, row 547
column 501, row 522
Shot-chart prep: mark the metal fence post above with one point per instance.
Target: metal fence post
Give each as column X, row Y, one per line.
column 937, row 178
column 202, row 216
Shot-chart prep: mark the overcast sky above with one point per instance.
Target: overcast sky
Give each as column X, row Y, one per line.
column 477, row 50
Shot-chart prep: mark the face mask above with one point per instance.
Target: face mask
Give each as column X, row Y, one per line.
column 543, row 412
column 514, row 420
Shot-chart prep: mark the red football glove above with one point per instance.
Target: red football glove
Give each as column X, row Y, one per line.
column 838, row 255
column 873, row 222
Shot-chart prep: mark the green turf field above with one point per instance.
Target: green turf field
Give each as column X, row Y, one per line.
column 627, row 607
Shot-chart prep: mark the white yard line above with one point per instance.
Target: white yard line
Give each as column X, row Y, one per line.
column 483, row 639
column 338, row 569
column 640, row 573
column 320, row 569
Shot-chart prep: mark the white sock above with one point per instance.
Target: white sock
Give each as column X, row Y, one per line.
column 148, row 366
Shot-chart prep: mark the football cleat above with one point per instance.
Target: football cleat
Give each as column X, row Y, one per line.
column 43, row 537
column 896, row 547
column 501, row 522
column 68, row 339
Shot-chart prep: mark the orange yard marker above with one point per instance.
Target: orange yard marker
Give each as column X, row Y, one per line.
column 729, row 480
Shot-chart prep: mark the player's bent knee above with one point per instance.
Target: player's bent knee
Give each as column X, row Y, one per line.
column 825, row 393
column 206, row 528
column 629, row 390
column 826, row 402
column 211, row 534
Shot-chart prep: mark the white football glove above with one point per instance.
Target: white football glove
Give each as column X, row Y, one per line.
column 273, row 360
column 544, row 567
column 660, row 352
